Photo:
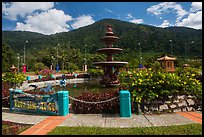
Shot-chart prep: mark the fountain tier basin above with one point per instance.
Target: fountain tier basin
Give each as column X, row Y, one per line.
column 109, row 50
column 111, row 63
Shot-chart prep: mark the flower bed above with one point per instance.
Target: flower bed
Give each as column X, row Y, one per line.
column 69, row 76
column 11, row 128
column 111, row 106
column 5, row 94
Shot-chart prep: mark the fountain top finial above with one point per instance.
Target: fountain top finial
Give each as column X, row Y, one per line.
column 109, row 30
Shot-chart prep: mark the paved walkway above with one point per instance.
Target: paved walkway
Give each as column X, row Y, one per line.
column 43, row 124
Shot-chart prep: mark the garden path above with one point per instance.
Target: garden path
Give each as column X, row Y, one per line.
column 44, row 124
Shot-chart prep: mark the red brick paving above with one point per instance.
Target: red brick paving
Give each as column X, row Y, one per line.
column 196, row 117
column 45, row 126
column 51, row 122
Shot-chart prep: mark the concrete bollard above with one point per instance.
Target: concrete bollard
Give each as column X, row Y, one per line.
column 63, row 102
column 125, row 103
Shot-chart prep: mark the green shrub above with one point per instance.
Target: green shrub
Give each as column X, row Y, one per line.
column 14, row 78
column 149, row 85
column 39, row 66
column 71, row 67
column 95, row 72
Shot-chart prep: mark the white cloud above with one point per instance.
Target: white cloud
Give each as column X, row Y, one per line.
column 129, row 16
column 81, row 21
column 137, row 21
column 191, row 18
column 194, row 20
column 133, row 19
column 196, row 6
column 164, row 24
column 50, row 22
column 13, row 9
column 166, row 7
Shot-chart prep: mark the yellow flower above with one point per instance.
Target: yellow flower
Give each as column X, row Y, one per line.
column 193, row 75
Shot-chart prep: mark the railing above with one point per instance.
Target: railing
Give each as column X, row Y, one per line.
column 57, row 103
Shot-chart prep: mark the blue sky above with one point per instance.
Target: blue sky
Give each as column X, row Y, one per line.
column 54, row 17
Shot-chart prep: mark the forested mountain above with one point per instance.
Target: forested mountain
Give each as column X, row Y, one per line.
column 152, row 38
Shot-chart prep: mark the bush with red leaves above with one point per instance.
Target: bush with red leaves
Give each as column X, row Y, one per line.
column 44, row 79
column 11, row 128
column 5, row 94
column 38, row 92
column 112, row 106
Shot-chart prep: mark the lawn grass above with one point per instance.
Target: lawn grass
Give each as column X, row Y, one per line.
column 188, row 129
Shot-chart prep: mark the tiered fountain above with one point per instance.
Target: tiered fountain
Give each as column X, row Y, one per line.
column 110, row 67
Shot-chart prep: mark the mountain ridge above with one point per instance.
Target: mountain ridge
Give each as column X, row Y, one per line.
column 130, row 34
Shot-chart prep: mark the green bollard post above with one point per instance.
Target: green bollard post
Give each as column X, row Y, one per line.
column 63, row 102
column 39, row 77
column 28, row 78
column 125, row 103
column 52, row 76
column 11, row 102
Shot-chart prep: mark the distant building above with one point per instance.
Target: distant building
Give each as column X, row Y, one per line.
column 13, row 69
column 167, row 63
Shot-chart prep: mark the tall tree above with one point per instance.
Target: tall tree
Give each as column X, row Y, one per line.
column 8, row 58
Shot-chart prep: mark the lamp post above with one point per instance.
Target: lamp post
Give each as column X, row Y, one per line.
column 57, row 67
column 57, row 54
column 18, row 61
column 171, row 47
column 185, row 49
column 85, row 66
column 85, row 54
column 24, row 51
column 140, row 53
